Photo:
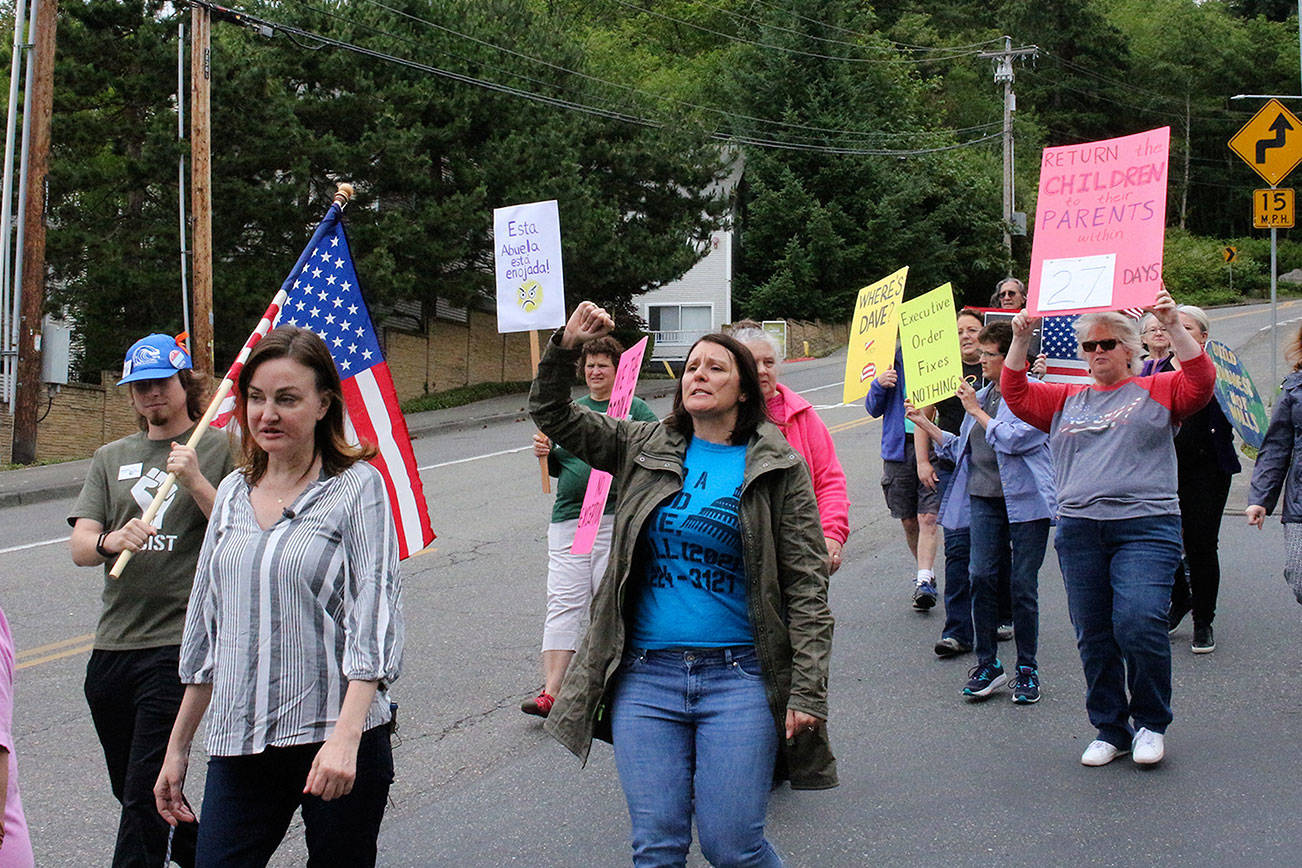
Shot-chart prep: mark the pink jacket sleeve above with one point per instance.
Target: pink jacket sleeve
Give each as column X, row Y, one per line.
column 829, row 479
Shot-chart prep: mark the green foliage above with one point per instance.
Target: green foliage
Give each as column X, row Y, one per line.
column 1195, row 270
column 430, row 158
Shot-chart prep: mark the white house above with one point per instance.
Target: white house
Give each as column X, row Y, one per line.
column 700, row 301
column 697, row 303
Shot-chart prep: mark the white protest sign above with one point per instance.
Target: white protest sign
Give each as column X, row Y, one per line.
column 527, row 256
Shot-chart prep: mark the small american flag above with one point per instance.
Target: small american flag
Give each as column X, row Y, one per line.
column 1058, row 340
column 321, row 294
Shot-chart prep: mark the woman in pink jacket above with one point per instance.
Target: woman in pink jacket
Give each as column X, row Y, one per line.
column 810, row 437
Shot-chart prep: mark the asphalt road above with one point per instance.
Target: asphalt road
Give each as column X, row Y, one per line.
column 926, row 777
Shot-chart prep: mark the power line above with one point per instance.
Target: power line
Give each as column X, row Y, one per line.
column 256, row 22
column 859, row 45
column 892, row 43
column 734, row 38
column 725, row 113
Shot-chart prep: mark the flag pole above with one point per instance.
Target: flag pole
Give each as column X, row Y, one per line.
column 341, row 198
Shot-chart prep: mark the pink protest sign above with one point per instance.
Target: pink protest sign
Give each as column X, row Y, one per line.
column 1099, row 224
column 621, row 401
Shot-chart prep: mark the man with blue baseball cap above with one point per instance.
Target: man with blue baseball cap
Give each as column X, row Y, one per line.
column 132, row 685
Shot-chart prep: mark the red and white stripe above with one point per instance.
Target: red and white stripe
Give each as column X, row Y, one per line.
column 226, row 412
column 1068, row 371
column 374, row 417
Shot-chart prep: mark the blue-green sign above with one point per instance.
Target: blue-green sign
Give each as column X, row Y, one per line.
column 1238, row 397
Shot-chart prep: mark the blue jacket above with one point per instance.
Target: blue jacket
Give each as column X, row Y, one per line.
column 1279, row 464
column 890, row 402
column 1025, row 469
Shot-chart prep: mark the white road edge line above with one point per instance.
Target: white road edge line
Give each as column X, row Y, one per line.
column 35, row 545
column 471, row 458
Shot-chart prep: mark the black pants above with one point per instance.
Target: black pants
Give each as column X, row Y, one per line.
column 1203, row 492
column 133, row 698
column 248, row 802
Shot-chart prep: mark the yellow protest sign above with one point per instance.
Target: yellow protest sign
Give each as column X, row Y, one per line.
column 872, row 334
column 933, row 365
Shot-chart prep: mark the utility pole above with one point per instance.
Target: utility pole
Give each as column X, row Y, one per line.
column 28, row 381
column 1004, row 74
column 201, row 345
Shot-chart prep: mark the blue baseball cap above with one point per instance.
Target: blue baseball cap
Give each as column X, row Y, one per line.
column 156, row 357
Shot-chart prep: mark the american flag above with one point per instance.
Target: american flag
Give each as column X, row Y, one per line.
column 321, row 294
column 1058, row 343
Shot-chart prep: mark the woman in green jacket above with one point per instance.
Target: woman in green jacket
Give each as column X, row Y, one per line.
column 706, row 661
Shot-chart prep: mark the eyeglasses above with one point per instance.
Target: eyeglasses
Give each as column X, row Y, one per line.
column 986, row 355
column 1012, row 293
column 1154, row 330
column 1106, row 345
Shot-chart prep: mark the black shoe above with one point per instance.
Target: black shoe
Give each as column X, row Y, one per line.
column 948, row 646
column 1175, row 615
column 1204, row 642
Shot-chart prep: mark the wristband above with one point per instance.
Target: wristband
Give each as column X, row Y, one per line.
column 99, row 547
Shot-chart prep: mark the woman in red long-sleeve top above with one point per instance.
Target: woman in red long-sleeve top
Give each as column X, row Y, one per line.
column 1118, row 536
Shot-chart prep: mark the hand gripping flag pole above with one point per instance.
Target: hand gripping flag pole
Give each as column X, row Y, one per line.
column 228, row 382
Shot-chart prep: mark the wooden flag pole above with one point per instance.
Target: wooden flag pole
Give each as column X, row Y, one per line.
column 534, row 357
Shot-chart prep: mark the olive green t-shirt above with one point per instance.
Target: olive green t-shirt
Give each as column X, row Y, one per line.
column 146, row 607
column 572, row 474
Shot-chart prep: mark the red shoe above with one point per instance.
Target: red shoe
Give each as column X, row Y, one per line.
column 540, row 705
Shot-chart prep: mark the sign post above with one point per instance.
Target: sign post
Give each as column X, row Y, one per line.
column 1271, row 144
column 530, row 282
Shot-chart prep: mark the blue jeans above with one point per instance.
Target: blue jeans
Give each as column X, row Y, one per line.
column 958, row 585
column 1118, row 576
column 248, row 802
column 996, row 541
column 693, row 732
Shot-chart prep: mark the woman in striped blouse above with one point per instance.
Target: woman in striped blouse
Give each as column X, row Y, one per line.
column 294, row 627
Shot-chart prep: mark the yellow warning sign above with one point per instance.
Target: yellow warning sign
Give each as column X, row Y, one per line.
column 1271, row 143
column 1273, row 208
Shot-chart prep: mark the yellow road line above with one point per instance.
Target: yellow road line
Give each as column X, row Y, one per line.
column 54, row 646
column 1256, row 309
column 71, row 652
column 854, row 423
column 428, row 551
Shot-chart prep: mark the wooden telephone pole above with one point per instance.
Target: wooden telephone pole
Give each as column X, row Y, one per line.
column 201, row 343
column 27, row 384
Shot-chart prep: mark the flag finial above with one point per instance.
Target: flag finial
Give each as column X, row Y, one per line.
column 344, row 194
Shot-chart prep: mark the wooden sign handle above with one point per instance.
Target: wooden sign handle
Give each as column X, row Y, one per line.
column 534, row 356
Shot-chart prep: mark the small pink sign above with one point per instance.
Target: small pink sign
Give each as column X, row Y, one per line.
column 1100, row 221
column 621, row 401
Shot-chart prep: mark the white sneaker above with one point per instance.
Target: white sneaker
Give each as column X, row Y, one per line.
column 1148, row 748
column 1100, row 753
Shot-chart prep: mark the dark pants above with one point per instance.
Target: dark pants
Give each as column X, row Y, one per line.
column 1203, row 492
column 1118, row 579
column 996, row 541
column 133, row 698
column 958, row 584
column 248, row 802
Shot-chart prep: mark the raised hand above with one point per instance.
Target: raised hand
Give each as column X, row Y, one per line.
column 588, row 321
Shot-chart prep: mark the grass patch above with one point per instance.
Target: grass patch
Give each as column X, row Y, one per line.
column 462, row 395
column 41, row 462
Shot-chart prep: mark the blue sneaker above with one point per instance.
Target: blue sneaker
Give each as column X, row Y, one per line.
column 924, row 595
column 1026, row 685
column 985, row 679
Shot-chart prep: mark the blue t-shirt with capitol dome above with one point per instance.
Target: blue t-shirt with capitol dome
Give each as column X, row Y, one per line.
column 693, row 593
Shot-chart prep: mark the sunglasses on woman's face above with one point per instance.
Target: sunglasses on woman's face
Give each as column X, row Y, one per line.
column 1107, row 345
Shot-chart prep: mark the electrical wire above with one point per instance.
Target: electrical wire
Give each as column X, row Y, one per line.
column 246, row 19
column 894, row 44
column 769, row 46
column 826, row 132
